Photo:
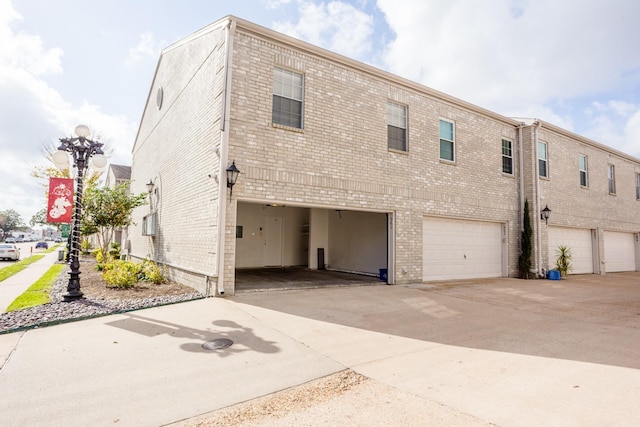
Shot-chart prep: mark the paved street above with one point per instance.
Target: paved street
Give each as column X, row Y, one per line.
column 506, row 351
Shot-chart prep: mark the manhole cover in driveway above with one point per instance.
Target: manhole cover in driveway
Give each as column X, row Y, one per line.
column 217, row 344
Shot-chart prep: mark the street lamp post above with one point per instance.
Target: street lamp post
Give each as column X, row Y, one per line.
column 81, row 149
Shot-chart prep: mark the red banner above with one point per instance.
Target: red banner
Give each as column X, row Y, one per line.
column 60, row 205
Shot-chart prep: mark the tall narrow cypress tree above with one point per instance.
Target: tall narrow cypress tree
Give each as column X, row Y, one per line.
column 524, row 261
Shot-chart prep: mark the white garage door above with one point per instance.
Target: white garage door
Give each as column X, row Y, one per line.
column 619, row 251
column 458, row 249
column 578, row 240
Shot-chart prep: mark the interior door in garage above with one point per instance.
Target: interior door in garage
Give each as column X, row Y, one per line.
column 273, row 242
column 461, row 249
column 578, row 240
column 619, row 251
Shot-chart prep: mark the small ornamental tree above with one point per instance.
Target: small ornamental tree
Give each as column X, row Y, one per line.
column 106, row 209
column 40, row 218
column 524, row 261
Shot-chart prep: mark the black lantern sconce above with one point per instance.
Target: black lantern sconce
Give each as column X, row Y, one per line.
column 232, row 177
column 545, row 214
column 150, row 186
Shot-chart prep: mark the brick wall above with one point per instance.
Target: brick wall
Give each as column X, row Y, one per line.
column 341, row 160
column 176, row 148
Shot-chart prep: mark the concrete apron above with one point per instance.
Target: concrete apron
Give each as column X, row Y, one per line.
column 148, row 367
column 508, row 352
column 531, row 362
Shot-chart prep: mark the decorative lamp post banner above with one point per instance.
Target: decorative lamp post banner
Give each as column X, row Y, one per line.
column 60, row 205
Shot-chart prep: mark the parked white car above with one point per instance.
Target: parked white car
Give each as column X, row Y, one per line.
column 9, row 251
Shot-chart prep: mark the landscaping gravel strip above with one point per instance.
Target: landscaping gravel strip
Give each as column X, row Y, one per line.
column 59, row 311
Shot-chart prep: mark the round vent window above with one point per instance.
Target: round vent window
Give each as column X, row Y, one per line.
column 159, row 97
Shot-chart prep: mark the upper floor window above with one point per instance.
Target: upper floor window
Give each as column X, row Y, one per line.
column 543, row 160
column 612, row 179
column 584, row 176
column 507, row 156
column 288, row 91
column 638, row 186
column 397, row 126
column 447, row 140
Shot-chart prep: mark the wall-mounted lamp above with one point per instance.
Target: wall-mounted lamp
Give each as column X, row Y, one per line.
column 545, row 214
column 150, row 186
column 232, row 177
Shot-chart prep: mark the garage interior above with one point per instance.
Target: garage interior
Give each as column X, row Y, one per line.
column 290, row 247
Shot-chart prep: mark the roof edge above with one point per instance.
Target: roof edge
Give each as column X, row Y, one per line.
column 580, row 138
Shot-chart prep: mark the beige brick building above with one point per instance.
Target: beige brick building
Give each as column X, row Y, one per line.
column 347, row 167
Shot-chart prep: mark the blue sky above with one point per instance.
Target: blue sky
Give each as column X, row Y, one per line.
column 573, row 63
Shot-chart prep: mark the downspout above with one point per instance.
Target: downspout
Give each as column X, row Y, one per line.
column 224, row 153
column 536, row 126
column 521, row 169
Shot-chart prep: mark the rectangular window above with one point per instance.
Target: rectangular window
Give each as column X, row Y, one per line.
column 612, row 179
column 507, row 156
column 582, row 165
column 638, row 186
column 543, row 164
column 288, row 90
column 397, row 126
column 447, row 141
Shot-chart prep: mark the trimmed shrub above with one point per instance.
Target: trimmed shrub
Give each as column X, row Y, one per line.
column 114, row 250
column 121, row 274
column 85, row 247
column 152, row 272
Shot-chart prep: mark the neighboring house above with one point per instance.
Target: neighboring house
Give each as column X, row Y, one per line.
column 118, row 174
column 348, row 167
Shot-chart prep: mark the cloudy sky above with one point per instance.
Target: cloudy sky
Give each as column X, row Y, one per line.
column 573, row 63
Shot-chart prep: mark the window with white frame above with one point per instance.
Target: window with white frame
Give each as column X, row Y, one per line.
column 612, row 179
column 447, row 141
column 543, row 160
column 583, row 166
column 507, row 156
column 288, row 93
column 397, row 126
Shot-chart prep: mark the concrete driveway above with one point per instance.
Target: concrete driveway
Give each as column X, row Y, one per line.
column 584, row 318
column 505, row 352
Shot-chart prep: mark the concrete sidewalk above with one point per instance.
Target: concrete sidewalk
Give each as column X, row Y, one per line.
column 148, row 368
column 15, row 285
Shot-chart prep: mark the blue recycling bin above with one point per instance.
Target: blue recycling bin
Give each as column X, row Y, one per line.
column 553, row 275
column 383, row 274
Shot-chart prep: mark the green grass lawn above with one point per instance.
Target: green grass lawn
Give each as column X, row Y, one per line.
column 38, row 293
column 17, row 267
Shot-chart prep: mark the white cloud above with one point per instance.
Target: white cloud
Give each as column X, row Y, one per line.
column 538, row 58
column 274, row 4
column 336, row 26
column 33, row 113
column 617, row 124
column 147, row 47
